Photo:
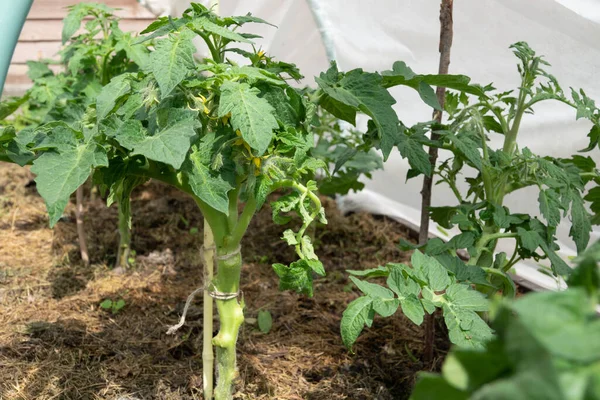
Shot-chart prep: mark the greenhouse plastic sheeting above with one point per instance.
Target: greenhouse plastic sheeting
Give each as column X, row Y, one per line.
column 372, row 35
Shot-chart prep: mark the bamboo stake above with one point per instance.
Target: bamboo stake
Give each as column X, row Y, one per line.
column 446, row 33
column 208, row 356
column 80, row 229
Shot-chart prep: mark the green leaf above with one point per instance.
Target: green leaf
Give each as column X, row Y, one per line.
column 433, row 387
column 172, row 60
column 369, row 273
column 581, row 228
column 71, row 24
column 461, row 295
column 550, row 206
column 250, row 114
column 402, row 286
column 204, row 24
column 468, row 148
column 412, row 150
column 297, row 277
column 106, row 304
column 428, row 96
column 171, row 144
column 316, row 266
column 358, row 314
column 37, row 70
column 209, row 186
column 372, row 289
column 110, row 94
column 443, row 215
column 530, row 240
column 436, row 275
column 413, row 309
column 265, row 321
column 559, row 266
column 465, row 327
column 58, row 175
column 290, row 237
column 363, row 92
column 385, row 307
column 401, row 74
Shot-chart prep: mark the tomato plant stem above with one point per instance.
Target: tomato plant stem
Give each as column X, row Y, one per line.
column 231, row 317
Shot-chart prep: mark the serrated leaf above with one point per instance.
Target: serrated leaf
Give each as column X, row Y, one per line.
column 172, row 60
column 307, row 248
column 461, row 295
column 363, row 92
column 550, row 206
column 530, row 240
column 401, row 74
column 58, row 175
column 465, row 328
column 358, row 314
column 316, row 266
column 110, row 94
column 369, row 273
column 468, row 148
column 385, row 307
column 171, row 144
column 296, row 277
column 403, row 287
column 208, row 185
column 412, row 150
column 413, row 309
column 372, row 289
column 581, row 228
column 428, row 96
column 436, row 275
column 204, row 24
column 250, row 114
column 36, row 70
column 443, row 215
column 290, row 237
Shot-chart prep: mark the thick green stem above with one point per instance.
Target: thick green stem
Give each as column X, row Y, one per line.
column 231, row 317
column 124, row 235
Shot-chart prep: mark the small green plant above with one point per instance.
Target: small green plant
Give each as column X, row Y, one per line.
column 114, row 306
column 265, row 321
column 546, row 347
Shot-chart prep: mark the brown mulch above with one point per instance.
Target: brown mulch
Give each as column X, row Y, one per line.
column 56, row 342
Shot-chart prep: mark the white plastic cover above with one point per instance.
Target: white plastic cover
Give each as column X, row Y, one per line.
column 374, row 34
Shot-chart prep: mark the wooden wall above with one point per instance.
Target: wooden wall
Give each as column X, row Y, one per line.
column 41, row 34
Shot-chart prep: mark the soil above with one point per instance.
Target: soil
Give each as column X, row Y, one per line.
column 56, row 342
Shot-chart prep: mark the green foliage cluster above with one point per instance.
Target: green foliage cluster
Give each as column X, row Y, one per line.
column 474, row 115
column 546, row 347
column 128, row 109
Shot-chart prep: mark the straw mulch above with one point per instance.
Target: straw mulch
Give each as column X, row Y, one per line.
column 57, row 343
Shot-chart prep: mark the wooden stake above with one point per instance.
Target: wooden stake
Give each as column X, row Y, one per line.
column 80, row 228
column 446, row 33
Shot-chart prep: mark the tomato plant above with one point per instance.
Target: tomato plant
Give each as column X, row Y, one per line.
column 90, row 58
column 228, row 133
column 440, row 278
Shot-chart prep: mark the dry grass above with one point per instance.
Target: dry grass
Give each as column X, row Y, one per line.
column 57, row 343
